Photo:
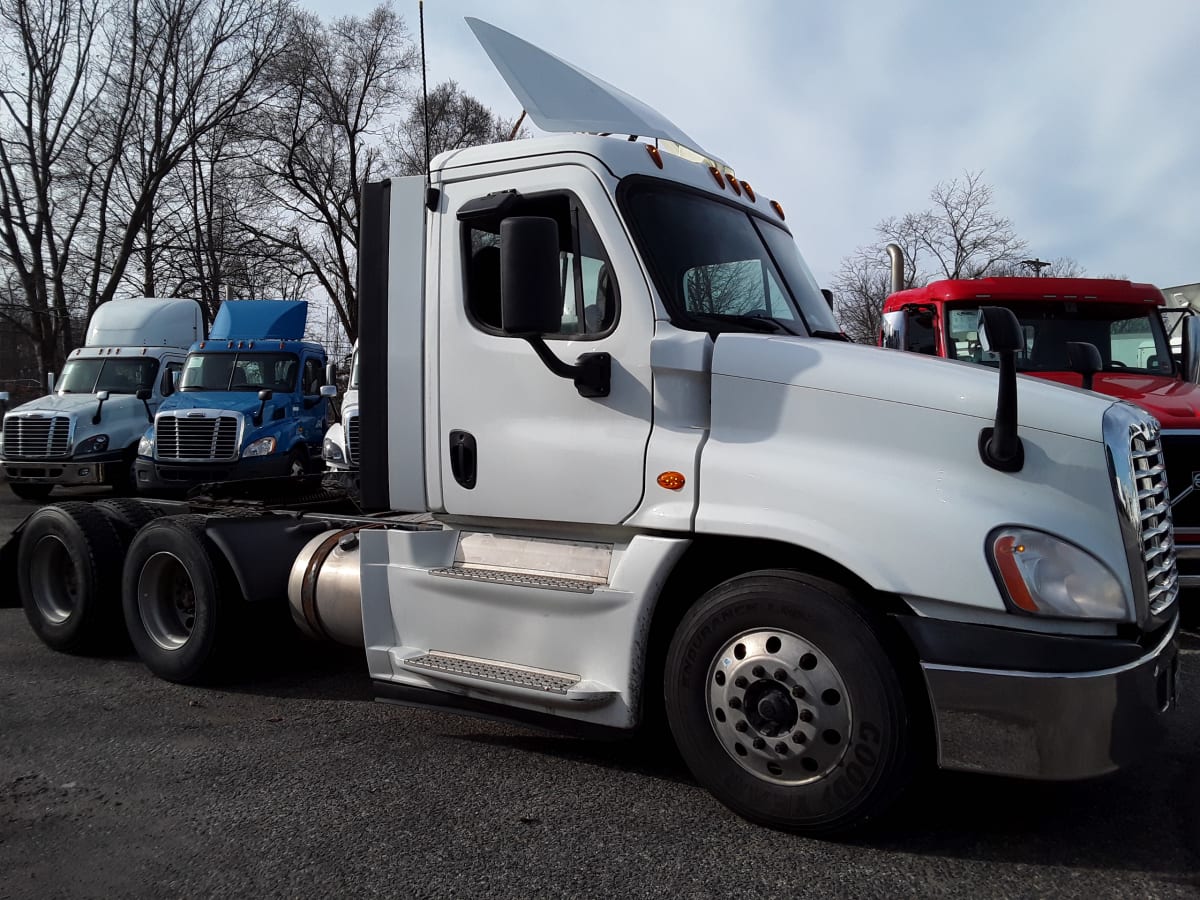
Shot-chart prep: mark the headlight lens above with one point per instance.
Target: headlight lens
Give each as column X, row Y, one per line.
column 332, row 451
column 97, row 443
column 1044, row 576
column 261, row 447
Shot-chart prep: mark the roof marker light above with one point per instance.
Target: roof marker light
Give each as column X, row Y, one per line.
column 778, row 210
column 749, row 191
column 716, row 173
column 250, row 345
column 202, row 343
column 654, row 155
column 231, row 345
column 733, row 183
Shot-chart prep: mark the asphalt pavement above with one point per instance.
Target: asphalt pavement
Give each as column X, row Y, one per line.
column 295, row 783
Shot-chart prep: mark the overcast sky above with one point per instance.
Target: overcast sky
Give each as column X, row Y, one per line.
column 1083, row 115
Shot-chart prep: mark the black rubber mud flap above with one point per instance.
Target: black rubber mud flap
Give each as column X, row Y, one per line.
column 10, row 590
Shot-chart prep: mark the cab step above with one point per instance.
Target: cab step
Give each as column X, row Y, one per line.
column 517, row 579
column 506, row 677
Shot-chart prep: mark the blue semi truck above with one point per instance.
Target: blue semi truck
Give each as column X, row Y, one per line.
column 252, row 401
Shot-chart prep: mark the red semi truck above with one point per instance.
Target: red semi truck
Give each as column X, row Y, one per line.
column 1145, row 354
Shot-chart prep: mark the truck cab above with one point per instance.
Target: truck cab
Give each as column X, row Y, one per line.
column 1148, row 355
column 342, row 447
column 86, row 431
column 251, row 402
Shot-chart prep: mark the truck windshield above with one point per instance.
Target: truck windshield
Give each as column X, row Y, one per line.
column 239, row 372
column 1130, row 338
column 719, row 267
column 117, row 376
column 353, row 372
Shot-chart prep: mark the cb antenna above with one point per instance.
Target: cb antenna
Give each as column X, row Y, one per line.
column 424, row 86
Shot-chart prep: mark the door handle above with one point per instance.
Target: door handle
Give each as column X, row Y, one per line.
column 463, row 458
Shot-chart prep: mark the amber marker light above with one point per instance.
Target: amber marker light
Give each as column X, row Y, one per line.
column 654, row 155
column 716, row 173
column 1006, row 549
column 733, row 183
column 778, row 209
column 749, row 191
column 672, row 481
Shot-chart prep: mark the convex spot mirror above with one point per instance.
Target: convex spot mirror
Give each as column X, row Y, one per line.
column 999, row 331
column 1191, row 349
column 329, row 390
column 530, row 286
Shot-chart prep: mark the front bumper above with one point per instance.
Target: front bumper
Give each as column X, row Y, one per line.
column 91, row 470
column 1055, row 725
column 157, row 475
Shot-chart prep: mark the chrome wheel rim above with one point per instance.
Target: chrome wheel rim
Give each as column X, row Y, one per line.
column 53, row 580
column 166, row 600
column 779, row 707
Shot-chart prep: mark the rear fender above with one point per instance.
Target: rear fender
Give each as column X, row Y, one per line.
column 260, row 551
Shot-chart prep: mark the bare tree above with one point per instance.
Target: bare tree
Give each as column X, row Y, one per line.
column 959, row 236
column 322, row 136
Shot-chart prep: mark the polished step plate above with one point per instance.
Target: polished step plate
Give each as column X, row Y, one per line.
column 518, row 579
column 497, row 672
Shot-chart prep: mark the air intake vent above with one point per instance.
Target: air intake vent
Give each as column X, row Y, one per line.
column 36, row 436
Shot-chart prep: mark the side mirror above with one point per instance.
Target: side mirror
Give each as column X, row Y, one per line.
column 144, row 394
column 894, row 330
column 329, row 390
column 330, row 373
column 101, row 396
column 3, row 402
column 1085, row 359
column 1191, row 349
column 1000, row 333
column 263, row 396
column 168, row 383
column 530, row 286
column 828, row 295
column 531, row 301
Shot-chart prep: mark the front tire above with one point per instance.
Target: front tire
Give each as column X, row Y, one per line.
column 180, row 601
column 786, row 706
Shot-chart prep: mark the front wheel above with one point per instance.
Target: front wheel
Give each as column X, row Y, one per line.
column 786, row 706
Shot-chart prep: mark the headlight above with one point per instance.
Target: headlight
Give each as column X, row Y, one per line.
column 146, row 446
column 261, row 447
column 97, row 443
column 332, row 452
column 1045, row 576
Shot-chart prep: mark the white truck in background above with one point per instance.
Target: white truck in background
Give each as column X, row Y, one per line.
column 342, row 441
column 689, row 504
column 86, row 431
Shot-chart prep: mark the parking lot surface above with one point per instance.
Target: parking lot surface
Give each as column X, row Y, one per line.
column 295, row 783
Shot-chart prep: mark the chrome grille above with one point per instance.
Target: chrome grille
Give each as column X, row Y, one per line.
column 36, row 436
column 1154, row 520
column 196, row 437
column 352, row 435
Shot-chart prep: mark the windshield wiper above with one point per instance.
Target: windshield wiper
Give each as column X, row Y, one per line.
column 754, row 323
column 830, row 335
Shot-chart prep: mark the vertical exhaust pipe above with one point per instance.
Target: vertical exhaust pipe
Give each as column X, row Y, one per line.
column 896, row 255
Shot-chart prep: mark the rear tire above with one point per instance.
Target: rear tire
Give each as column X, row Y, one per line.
column 69, row 576
column 182, row 605
column 34, row 493
column 786, row 706
column 128, row 516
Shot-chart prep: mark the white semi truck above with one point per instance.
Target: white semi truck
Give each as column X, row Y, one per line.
column 343, row 443
column 86, row 431
column 650, row 484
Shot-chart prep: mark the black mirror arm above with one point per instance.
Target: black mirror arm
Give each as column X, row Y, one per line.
column 1000, row 447
column 592, row 373
column 99, row 408
column 149, row 415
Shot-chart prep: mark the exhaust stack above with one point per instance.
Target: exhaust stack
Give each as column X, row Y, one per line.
column 896, row 255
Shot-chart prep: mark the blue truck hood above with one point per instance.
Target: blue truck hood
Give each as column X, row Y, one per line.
column 244, row 402
column 254, row 320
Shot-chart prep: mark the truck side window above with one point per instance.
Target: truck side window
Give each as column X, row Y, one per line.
column 312, row 376
column 589, row 287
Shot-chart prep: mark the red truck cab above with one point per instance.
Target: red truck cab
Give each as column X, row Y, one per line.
column 1148, row 355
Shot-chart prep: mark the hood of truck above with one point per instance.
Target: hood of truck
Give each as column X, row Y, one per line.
column 1175, row 403
column 123, row 418
column 244, row 402
column 907, row 378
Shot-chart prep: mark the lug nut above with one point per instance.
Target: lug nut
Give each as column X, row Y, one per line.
column 800, row 738
column 759, row 672
column 741, row 725
column 740, row 681
column 759, row 743
column 805, row 714
column 780, row 675
column 736, row 703
column 798, row 691
column 781, row 748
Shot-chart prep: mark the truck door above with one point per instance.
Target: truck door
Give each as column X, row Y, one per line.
column 312, row 404
column 514, row 440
